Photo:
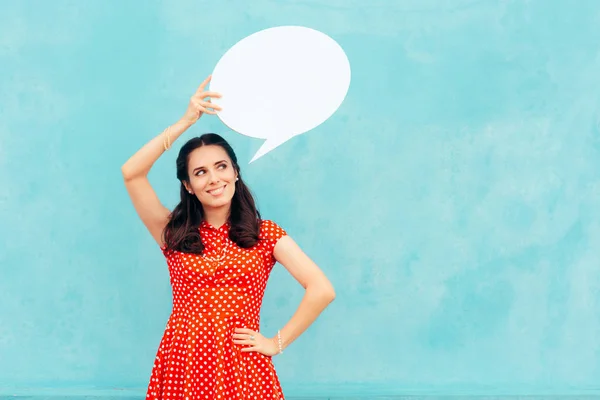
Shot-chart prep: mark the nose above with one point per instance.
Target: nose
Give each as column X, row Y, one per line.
column 212, row 177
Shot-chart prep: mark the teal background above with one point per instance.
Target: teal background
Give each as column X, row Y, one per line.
column 453, row 199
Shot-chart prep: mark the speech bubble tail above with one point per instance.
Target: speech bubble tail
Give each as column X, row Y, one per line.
column 268, row 145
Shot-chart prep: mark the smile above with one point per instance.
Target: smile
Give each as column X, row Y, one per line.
column 216, row 192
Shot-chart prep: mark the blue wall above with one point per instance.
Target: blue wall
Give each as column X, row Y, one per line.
column 452, row 199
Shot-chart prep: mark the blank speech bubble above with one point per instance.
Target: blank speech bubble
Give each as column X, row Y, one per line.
column 279, row 83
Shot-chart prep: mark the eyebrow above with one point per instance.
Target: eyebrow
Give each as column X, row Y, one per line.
column 218, row 162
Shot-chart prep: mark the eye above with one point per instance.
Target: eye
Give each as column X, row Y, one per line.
column 199, row 172
column 222, row 166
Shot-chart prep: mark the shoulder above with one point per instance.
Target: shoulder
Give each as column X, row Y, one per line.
column 168, row 253
column 271, row 230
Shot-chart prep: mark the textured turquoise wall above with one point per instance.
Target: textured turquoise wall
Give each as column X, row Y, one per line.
column 453, row 199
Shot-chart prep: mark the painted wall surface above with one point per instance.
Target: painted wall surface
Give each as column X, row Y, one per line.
column 453, row 199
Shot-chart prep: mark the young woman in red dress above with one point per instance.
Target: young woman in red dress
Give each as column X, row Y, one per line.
column 219, row 253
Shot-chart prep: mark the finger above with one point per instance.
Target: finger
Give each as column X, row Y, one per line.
column 208, row 104
column 209, row 95
column 203, row 84
column 241, row 336
column 245, row 342
column 205, row 104
column 249, row 349
column 202, row 109
column 245, row 330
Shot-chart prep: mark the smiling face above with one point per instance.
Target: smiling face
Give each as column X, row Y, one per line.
column 212, row 176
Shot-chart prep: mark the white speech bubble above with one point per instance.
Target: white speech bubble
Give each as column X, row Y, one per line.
column 279, row 83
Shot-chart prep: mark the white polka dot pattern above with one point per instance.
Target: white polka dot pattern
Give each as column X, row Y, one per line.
column 212, row 295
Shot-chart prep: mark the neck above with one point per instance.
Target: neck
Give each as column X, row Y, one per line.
column 216, row 217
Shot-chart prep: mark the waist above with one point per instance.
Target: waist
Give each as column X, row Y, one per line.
column 211, row 300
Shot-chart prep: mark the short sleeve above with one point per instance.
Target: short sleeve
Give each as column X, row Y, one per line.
column 166, row 252
column 270, row 233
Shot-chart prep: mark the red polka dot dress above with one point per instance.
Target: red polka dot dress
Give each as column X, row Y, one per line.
column 213, row 294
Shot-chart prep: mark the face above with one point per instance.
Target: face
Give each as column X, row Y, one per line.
column 212, row 176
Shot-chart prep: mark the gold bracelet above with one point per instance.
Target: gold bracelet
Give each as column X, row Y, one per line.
column 167, row 138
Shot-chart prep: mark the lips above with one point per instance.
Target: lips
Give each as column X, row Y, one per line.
column 217, row 191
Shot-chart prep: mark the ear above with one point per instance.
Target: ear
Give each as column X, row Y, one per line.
column 187, row 186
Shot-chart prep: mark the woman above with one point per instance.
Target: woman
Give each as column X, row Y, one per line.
column 220, row 253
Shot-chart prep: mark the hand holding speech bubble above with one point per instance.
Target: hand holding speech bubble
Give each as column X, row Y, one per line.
column 279, row 83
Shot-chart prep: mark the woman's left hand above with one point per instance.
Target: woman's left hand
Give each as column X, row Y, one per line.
column 256, row 341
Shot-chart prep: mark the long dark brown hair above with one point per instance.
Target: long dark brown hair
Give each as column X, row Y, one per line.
column 181, row 232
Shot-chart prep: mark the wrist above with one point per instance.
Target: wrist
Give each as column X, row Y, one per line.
column 278, row 342
column 184, row 123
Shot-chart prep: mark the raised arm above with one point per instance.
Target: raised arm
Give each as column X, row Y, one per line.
column 135, row 171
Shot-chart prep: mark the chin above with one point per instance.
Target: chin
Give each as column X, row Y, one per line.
column 219, row 203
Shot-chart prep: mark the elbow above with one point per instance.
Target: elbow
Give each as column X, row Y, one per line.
column 330, row 295
column 328, row 292
column 127, row 173
column 325, row 293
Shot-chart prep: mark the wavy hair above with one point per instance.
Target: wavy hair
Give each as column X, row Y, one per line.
column 181, row 232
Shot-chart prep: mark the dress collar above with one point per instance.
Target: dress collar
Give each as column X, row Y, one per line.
column 208, row 227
